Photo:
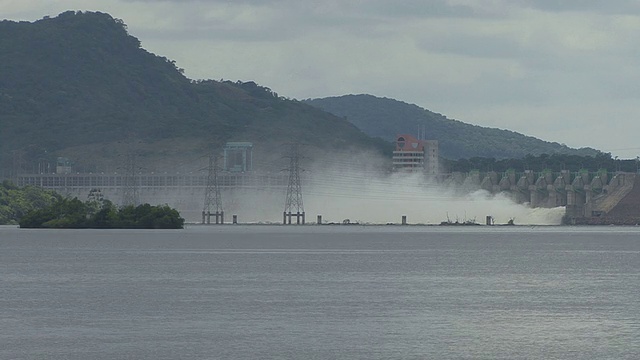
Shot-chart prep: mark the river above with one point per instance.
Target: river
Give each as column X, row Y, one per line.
column 321, row 292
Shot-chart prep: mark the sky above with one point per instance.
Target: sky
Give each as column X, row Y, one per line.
column 562, row 71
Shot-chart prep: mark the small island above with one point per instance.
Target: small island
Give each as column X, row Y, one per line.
column 74, row 214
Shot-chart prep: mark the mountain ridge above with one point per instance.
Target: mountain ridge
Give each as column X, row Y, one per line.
column 79, row 85
column 372, row 115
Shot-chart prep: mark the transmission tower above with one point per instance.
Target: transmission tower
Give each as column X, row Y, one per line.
column 212, row 196
column 293, row 205
column 18, row 164
column 130, row 190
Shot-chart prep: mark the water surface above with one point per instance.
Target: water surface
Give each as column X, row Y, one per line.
column 321, row 292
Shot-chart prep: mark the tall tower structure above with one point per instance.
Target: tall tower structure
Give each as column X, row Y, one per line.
column 212, row 196
column 130, row 167
column 431, row 157
column 18, row 161
column 130, row 194
column 294, row 206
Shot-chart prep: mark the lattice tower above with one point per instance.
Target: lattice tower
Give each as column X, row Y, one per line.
column 130, row 194
column 212, row 196
column 294, row 202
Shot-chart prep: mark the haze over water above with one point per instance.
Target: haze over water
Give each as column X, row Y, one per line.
column 363, row 193
column 323, row 292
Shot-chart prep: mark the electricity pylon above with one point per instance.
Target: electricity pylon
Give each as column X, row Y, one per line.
column 130, row 194
column 212, row 196
column 293, row 204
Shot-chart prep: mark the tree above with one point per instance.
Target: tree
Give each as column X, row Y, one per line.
column 73, row 213
column 15, row 202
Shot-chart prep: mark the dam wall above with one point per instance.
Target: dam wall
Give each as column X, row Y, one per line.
column 603, row 196
column 584, row 194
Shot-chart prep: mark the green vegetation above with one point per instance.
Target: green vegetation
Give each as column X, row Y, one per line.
column 33, row 207
column 73, row 213
column 386, row 118
column 80, row 84
column 80, row 78
column 15, row 202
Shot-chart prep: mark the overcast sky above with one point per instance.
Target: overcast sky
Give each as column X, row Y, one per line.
column 564, row 71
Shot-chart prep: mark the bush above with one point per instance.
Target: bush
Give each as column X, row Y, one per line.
column 73, row 213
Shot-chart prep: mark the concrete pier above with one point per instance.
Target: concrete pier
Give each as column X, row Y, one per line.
column 300, row 218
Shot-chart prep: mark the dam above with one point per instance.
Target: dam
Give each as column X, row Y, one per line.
column 588, row 197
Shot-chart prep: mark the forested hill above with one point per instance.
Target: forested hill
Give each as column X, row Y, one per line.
column 385, row 118
column 79, row 79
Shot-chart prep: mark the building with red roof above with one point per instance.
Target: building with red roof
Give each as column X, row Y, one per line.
column 415, row 155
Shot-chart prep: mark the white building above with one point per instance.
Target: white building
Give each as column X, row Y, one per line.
column 414, row 155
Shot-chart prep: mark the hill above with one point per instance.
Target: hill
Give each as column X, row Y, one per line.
column 385, row 118
column 78, row 85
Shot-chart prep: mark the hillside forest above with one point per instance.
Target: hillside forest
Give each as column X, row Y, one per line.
column 78, row 85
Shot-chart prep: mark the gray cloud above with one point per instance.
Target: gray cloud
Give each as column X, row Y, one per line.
column 472, row 45
column 597, row 6
column 417, row 9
